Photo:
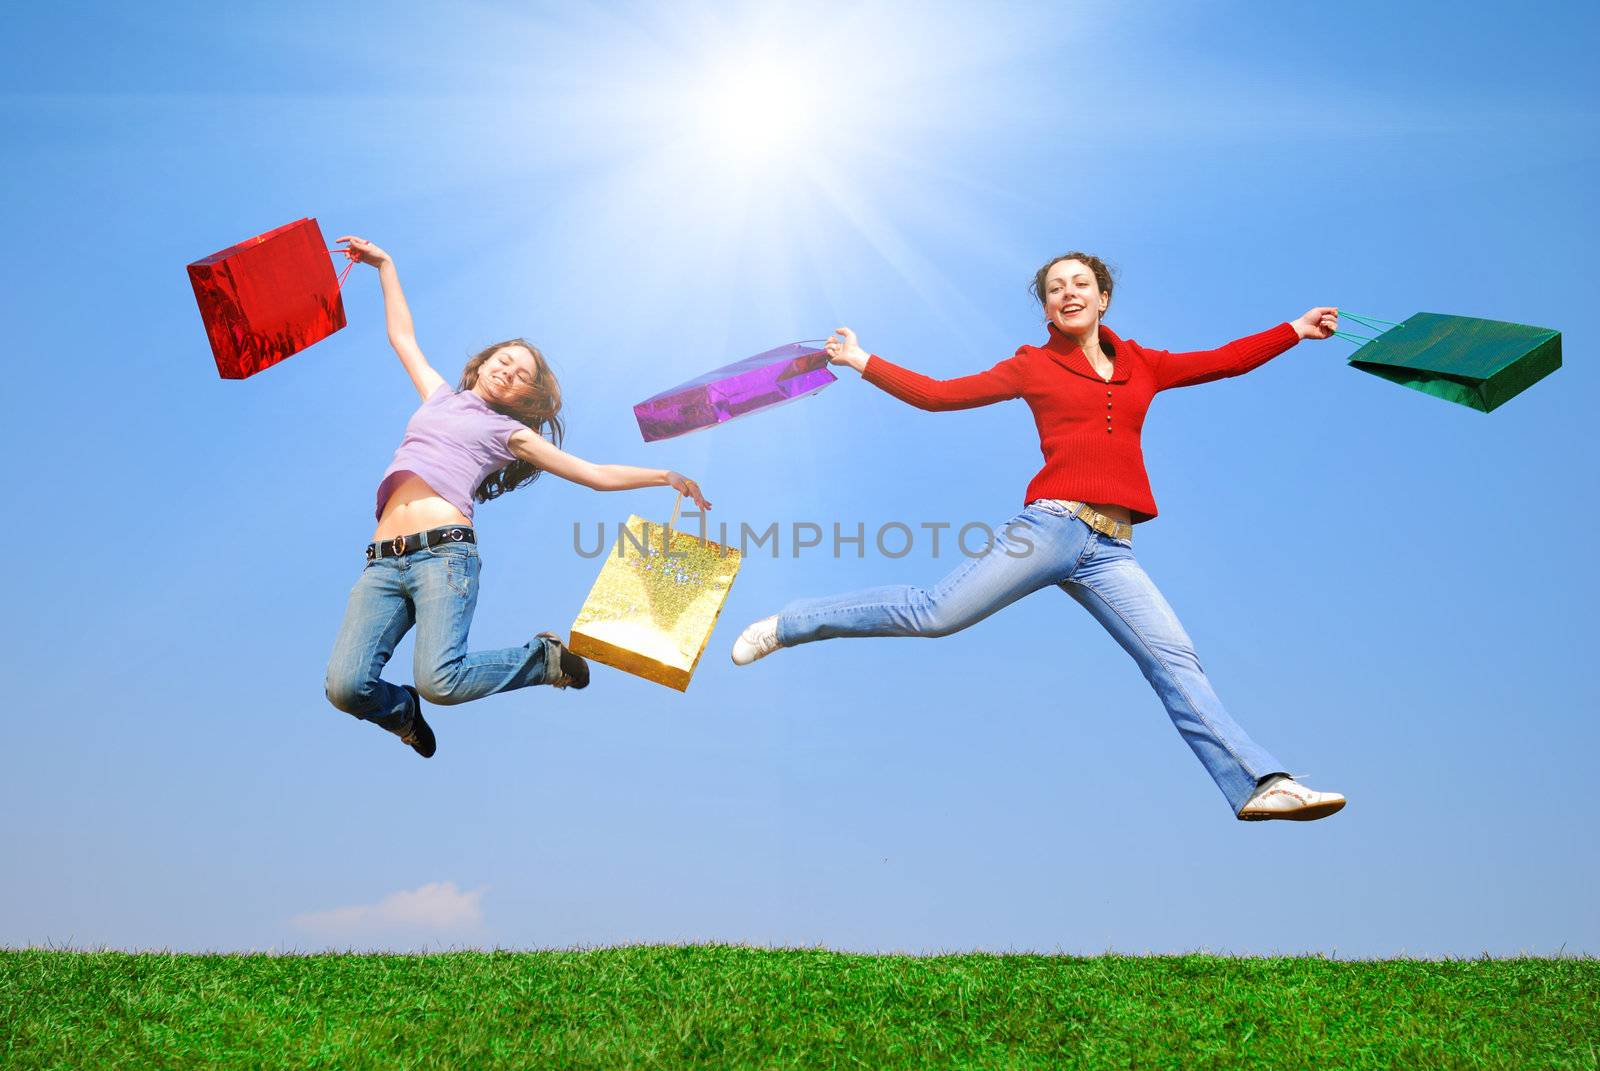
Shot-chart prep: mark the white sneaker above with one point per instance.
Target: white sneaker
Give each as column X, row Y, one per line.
column 757, row 641
column 1281, row 796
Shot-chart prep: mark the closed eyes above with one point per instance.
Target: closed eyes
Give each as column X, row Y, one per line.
column 522, row 373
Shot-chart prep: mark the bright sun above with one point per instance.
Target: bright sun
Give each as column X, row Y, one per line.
column 747, row 115
column 730, row 144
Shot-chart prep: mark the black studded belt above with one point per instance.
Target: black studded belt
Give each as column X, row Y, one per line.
column 410, row 544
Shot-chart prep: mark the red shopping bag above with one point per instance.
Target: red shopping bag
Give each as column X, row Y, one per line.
column 267, row 298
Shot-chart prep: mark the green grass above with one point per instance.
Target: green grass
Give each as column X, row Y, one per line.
column 721, row 1006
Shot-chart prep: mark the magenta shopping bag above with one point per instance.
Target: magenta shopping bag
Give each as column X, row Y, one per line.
column 734, row 390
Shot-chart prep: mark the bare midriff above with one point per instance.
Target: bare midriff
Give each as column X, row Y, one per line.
column 413, row 506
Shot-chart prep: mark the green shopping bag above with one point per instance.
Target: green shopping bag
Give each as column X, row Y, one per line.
column 1477, row 363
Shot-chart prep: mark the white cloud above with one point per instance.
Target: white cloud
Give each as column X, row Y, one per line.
column 438, row 908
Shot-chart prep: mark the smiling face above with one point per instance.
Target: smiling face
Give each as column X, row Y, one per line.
column 507, row 377
column 1072, row 297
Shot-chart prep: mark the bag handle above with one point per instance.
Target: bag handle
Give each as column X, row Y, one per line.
column 1371, row 323
column 344, row 274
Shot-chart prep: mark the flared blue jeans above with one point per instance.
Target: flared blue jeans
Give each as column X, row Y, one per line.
column 1045, row 545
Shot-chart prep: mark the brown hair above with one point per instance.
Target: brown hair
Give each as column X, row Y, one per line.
column 541, row 412
column 1102, row 274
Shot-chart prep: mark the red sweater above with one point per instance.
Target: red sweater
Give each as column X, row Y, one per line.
column 1088, row 427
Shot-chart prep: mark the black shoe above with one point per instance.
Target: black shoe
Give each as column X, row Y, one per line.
column 419, row 736
column 574, row 670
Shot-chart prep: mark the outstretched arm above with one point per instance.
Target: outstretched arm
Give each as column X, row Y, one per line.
column 1241, row 355
column 396, row 315
column 543, row 454
column 998, row 384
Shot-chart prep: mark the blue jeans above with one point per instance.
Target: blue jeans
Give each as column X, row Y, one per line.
column 435, row 589
column 1044, row 545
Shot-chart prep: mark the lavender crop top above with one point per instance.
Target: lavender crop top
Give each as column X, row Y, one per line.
column 452, row 442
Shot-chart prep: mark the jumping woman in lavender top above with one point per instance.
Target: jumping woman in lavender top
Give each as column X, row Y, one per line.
column 1089, row 391
column 496, row 432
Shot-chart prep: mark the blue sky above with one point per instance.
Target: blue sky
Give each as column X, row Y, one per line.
column 1392, row 593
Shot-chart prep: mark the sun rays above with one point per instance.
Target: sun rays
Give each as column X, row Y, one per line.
column 723, row 155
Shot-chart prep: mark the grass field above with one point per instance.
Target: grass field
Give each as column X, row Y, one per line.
column 720, row 1006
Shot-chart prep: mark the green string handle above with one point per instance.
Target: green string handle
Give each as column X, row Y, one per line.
column 1371, row 323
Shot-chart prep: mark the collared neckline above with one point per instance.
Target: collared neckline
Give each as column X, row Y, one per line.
column 1068, row 353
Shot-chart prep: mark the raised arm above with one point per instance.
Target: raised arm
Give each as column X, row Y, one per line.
column 396, row 315
column 1241, row 355
column 541, row 453
column 998, row 384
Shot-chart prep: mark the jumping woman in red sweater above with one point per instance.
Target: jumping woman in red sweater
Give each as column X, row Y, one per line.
column 1089, row 391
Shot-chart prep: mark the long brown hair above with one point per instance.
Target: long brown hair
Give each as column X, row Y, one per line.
column 541, row 412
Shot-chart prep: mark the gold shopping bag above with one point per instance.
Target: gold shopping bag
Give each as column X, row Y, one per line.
column 657, row 597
